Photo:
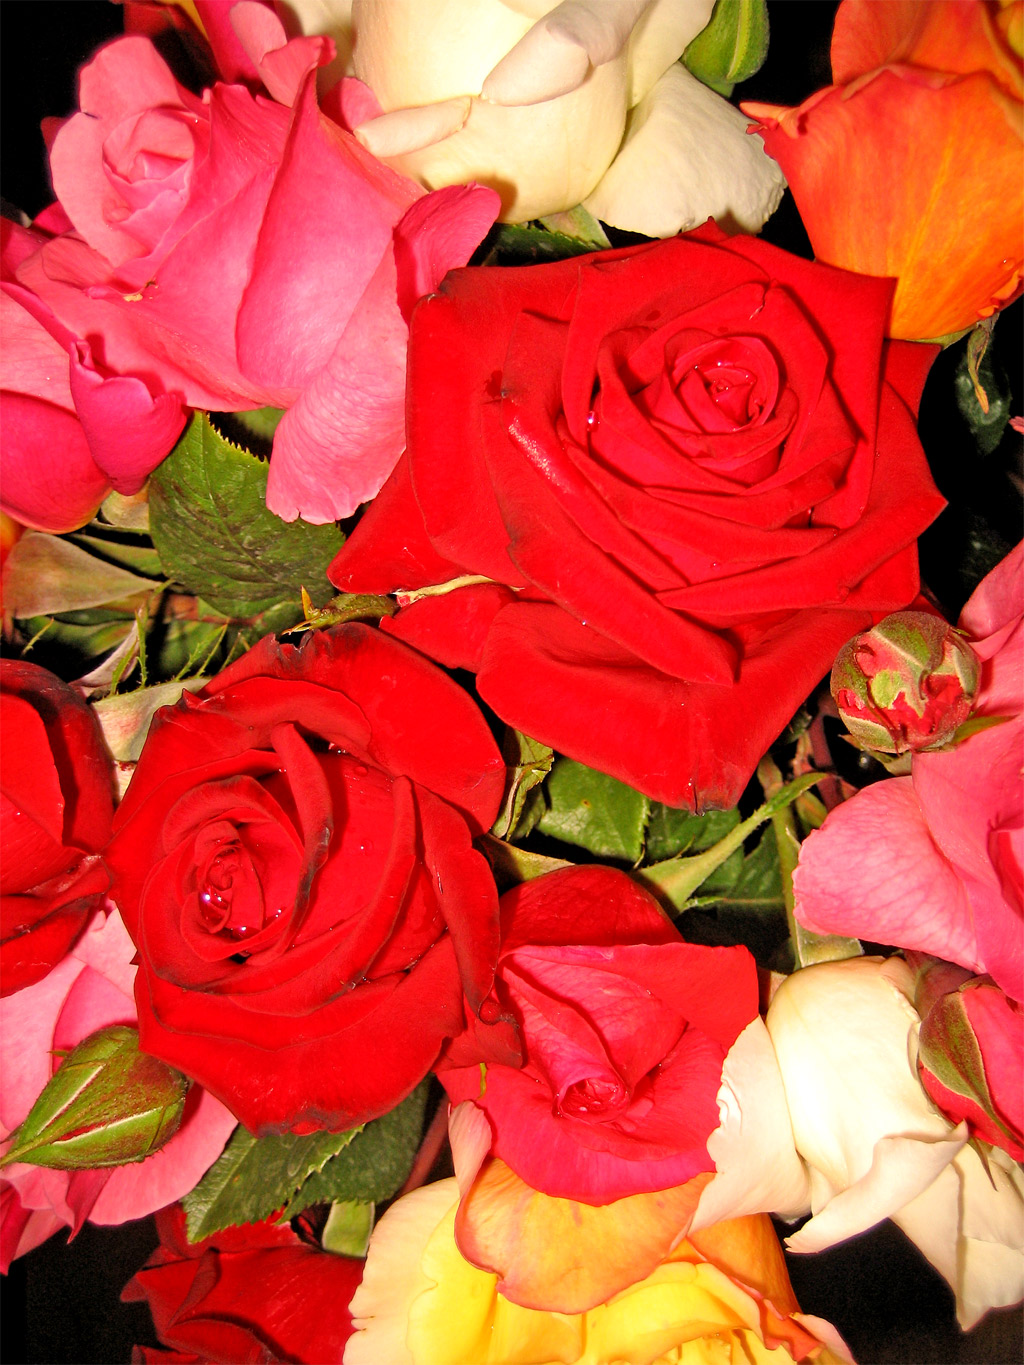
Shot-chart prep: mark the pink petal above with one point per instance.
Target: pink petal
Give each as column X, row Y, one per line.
column 327, row 226
column 281, row 64
column 873, row 871
column 437, row 233
column 123, row 80
column 137, row 1190
column 128, row 430
column 337, row 445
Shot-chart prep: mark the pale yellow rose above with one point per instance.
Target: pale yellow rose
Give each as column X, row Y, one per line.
column 537, row 98
column 845, row 1035
column 420, row 1303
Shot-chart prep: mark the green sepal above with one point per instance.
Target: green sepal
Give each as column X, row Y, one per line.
column 948, row 1048
column 215, row 536
column 732, row 47
column 107, row 1104
column 528, row 763
column 348, row 1228
column 982, row 391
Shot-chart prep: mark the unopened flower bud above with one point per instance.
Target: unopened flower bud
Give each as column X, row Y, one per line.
column 107, row 1104
column 970, row 1054
column 908, row 683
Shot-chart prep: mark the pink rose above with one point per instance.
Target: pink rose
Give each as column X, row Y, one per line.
column 934, row 861
column 72, row 429
column 247, row 252
column 92, row 988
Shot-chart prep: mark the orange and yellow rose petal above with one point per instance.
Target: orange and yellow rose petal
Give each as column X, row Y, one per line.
column 422, row 1303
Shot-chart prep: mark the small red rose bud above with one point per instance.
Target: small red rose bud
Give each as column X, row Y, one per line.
column 107, row 1104
column 908, row 683
column 970, row 1054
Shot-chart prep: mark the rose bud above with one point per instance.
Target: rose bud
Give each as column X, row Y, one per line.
column 970, row 1057
column 107, row 1104
column 908, row 683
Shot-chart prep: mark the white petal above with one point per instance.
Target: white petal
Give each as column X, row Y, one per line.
column 559, row 50
column 410, row 130
column 660, row 38
column 687, row 157
column 757, row 1164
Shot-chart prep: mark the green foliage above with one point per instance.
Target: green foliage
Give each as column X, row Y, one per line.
column 519, row 244
column 374, row 1166
column 671, row 832
column 594, row 811
column 982, row 390
column 253, row 1177
column 215, row 536
column 528, row 764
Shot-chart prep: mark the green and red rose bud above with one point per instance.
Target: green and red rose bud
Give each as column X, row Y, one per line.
column 107, row 1104
column 971, row 1052
column 908, row 683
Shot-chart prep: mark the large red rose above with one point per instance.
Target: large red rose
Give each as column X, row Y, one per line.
column 56, row 804
column 611, row 1087
column 690, row 470
column 254, row 1293
column 293, row 858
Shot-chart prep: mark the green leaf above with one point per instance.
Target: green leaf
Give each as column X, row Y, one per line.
column 260, row 422
column 253, row 1177
column 732, row 47
column 528, row 763
column 348, row 1228
column 374, row 1165
column 215, row 536
column 671, row 832
column 107, row 1104
column 594, row 811
column 517, row 244
column 580, row 225
column 982, row 389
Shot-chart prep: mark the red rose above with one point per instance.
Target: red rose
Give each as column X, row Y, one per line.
column 255, row 1293
column 691, row 470
column 612, row 1090
column 56, row 805
column 293, row 845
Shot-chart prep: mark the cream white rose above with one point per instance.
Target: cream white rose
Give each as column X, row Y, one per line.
column 845, row 1035
column 536, row 99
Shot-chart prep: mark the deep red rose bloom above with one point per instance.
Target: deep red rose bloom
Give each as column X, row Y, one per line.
column 254, row 1293
column 56, row 804
column 691, row 470
column 611, row 1088
column 292, row 848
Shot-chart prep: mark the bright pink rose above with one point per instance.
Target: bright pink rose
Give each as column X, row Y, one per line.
column 934, row 861
column 245, row 252
column 91, row 989
column 252, row 1293
column 72, row 429
column 606, row 1083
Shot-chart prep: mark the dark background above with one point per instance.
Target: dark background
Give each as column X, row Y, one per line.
column 60, row 1303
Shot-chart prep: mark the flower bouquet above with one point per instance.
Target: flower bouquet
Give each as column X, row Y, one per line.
column 511, row 767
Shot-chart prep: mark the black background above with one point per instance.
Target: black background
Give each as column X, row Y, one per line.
column 61, row 1302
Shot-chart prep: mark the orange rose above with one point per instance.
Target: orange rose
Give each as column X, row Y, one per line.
column 910, row 166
